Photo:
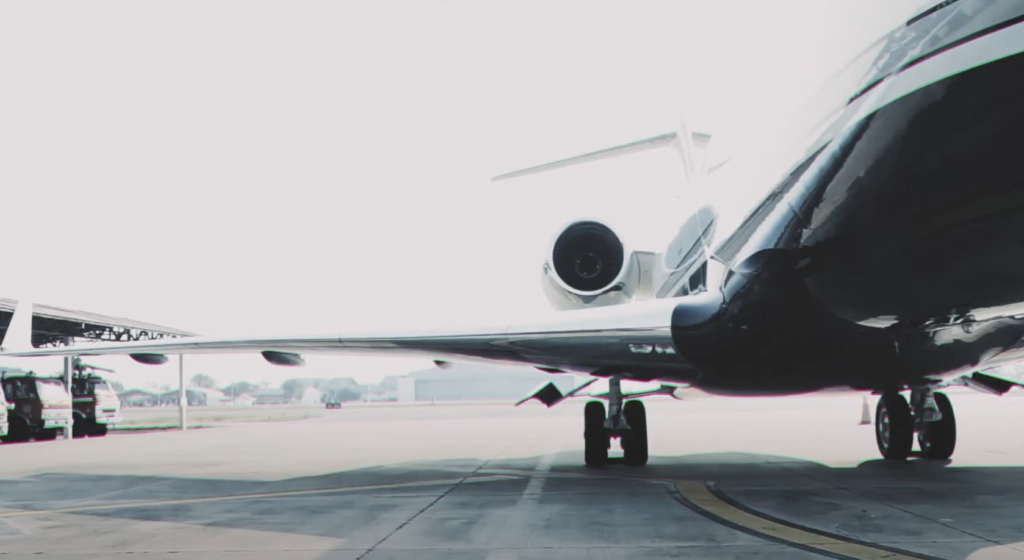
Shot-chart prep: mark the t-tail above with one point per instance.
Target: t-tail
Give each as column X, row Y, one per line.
column 691, row 147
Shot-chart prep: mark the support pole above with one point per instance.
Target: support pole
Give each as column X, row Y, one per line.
column 182, row 396
column 71, row 395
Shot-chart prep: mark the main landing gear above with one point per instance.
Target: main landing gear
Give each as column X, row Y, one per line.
column 929, row 414
column 626, row 421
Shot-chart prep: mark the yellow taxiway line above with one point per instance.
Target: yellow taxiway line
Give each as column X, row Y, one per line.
column 694, row 493
column 700, row 497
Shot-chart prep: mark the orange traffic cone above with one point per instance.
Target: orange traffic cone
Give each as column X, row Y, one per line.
column 865, row 412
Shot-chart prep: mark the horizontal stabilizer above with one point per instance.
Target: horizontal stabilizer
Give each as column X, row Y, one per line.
column 624, row 149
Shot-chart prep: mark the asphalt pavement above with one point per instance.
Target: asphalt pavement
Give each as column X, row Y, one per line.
column 728, row 478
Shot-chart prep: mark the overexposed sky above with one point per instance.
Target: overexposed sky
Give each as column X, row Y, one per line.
column 293, row 167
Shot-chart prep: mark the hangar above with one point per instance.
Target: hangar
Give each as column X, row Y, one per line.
column 472, row 382
column 57, row 326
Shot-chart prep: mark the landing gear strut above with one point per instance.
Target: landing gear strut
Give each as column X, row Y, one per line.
column 929, row 413
column 628, row 422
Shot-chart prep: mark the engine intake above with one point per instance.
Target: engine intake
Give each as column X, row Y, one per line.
column 589, row 266
column 588, row 256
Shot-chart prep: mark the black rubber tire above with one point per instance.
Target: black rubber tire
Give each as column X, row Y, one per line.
column 893, row 414
column 634, row 441
column 80, row 428
column 17, row 431
column 47, row 435
column 938, row 439
column 595, row 435
column 98, row 430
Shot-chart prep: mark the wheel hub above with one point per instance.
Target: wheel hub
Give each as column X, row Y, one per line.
column 884, row 431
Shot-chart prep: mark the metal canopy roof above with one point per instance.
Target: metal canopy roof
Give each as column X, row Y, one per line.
column 51, row 326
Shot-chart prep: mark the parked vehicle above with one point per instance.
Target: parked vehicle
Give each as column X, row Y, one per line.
column 96, row 405
column 38, row 407
column 3, row 413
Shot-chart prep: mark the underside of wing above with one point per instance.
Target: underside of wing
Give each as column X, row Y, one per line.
column 632, row 340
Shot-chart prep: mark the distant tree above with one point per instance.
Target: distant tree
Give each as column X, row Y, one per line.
column 294, row 388
column 240, row 388
column 204, row 381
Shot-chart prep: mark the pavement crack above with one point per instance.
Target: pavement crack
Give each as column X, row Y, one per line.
column 121, row 491
column 853, row 491
column 412, row 518
column 925, row 518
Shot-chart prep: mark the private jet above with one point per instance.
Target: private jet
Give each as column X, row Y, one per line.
column 887, row 257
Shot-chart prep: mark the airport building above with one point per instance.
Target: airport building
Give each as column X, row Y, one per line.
column 194, row 395
column 56, row 326
column 470, row 382
column 271, row 396
column 138, row 398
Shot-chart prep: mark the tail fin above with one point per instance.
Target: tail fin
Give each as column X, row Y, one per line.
column 19, row 332
column 683, row 143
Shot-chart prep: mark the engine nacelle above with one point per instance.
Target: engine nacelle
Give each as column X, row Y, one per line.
column 589, row 266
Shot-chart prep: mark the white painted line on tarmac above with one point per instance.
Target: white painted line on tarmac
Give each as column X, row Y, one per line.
column 522, row 514
column 539, row 477
column 256, row 496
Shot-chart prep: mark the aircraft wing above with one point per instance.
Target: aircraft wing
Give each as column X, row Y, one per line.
column 633, row 340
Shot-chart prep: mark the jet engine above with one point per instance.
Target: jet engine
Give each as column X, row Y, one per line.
column 589, row 266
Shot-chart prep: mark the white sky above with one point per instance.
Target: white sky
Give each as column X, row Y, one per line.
column 291, row 167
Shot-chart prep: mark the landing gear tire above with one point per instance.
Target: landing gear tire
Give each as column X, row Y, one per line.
column 634, row 441
column 938, row 439
column 79, row 429
column 17, row 431
column 595, row 435
column 894, row 427
column 97, row 430
column 48, row 434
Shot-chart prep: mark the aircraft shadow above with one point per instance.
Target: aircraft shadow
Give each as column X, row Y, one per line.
column 926, row 507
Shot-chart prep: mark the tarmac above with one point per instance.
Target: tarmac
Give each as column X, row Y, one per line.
column 753, row 478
